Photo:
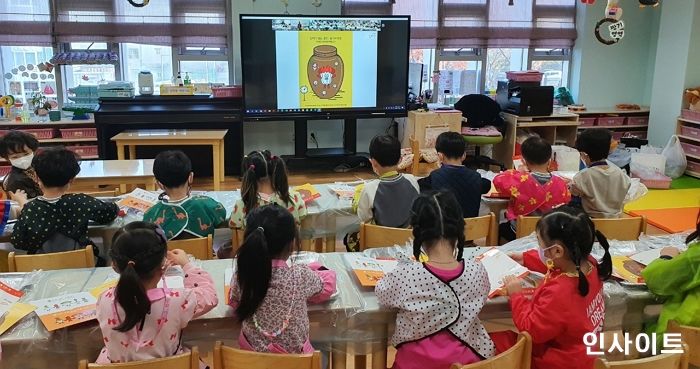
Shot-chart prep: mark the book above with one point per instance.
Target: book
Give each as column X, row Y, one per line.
column 499, row 265
column 308, row 192
column 8, row 297
column 627, row 269
column 344, row 191
column 646, row 257
column 139, row 200
column 66, row 310
column 368, row 270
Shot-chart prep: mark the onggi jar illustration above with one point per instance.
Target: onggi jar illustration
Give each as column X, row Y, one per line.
column 325, row 70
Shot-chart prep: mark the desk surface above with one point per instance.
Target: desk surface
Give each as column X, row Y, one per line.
column 116, row 168
column 171, row 134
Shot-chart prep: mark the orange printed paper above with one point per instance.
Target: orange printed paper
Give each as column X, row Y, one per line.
column 139, row 199
column 370, row 271
column 67, row 310
column 308, row 192
column 627, row 269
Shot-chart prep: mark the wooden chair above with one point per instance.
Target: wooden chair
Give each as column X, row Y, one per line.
column 58, row 260
column 663, row 361
column 622, row 229
column 516, row 357
column 418, row 167
column 525, row 226
column 107, row 193
column 482, row 227
column 231, row 358
column 188, row 360
column 201, row 248
column 377, row 236
column 691, row 337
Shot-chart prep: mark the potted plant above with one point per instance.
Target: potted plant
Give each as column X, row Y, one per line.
column 40, row 103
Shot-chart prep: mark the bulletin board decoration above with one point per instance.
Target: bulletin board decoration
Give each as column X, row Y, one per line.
column 616, row 29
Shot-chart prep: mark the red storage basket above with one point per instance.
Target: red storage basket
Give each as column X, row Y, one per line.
column 586, row 122
column 84, row 151
column 41, row 134
column 691, row 149
column 637, row 121
column 227, row 92
column 78, row 132
column 525, row 76
column 3, row 132
column 4, row 170
column 690, row 115
column 691, row 132
column 610, row 121
column 693, row 166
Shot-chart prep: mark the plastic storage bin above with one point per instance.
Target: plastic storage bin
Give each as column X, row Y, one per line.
column 227, row 92
column 637, row 121
column 84, row 151
column 657, row 180
column 586, row 122
column 691, row 149
column 691, row 132
column 690, row 115
column 693, row 166
column 79, row 132
column 41, row 134
column 610, row 121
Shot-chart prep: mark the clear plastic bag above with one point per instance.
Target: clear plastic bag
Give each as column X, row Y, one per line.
column 675, row 158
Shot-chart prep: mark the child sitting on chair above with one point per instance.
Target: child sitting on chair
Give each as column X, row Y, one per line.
column 466, row 184
column 18, row 148
column 180, row 214
column 602, row 186
column 139, row 320
column 58, row 221
column 265, row 182
column 533, row 190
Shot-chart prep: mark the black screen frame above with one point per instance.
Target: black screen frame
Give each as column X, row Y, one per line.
column 326, row 115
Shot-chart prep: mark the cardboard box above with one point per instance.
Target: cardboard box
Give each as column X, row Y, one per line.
column 426, row 126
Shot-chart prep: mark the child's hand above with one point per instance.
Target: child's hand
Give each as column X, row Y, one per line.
column 178, row 257
column 670, row 251
column 20, row 197
column 517, row 256
column 512, row 284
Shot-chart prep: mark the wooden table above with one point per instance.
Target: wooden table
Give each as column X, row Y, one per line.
column 175, row 138
column 118, row 173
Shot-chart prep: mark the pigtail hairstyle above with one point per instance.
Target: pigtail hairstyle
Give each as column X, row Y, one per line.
column 575, row 231
column 279, row 180
column 138, row 251
column 270, row 234
column 434, row 216
column 254, row 169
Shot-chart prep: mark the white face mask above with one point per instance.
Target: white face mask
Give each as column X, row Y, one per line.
column 24, row 162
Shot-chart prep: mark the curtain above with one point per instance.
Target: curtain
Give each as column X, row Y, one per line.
column 25, row 22
column 479, row 23
column 161, row 22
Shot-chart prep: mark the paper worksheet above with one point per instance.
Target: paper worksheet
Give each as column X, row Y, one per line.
column 66, row 310
column 369, row 270
column 498, row 266
column 646, row 257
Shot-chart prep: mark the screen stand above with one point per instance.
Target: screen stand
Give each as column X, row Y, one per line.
column 301, row 149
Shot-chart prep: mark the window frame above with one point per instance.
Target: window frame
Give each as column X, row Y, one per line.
column 564, row 55
column 181, row 54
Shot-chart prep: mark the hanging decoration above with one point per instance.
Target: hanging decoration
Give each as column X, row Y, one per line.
column 318, row 3
column 613, row 19
column 138, row 5
column 645, row 3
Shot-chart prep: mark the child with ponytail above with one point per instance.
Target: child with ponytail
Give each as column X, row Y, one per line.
column 140, row 321
column 265, row 182
column 569, row 302
column 270, row 296
column 438, row 301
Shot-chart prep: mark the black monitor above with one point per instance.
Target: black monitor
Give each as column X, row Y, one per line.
column 324, row 66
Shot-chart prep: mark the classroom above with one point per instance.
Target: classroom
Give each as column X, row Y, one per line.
column 332, row 184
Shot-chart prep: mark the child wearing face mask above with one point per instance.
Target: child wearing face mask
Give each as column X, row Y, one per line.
column 572, row 287
column 18, row 148
column 179, row 213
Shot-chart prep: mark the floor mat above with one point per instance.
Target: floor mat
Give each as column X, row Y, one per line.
column 666, row 199
column 671, row 220
column 685, row 182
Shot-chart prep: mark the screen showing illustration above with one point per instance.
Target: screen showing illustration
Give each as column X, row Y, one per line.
column 309, row 65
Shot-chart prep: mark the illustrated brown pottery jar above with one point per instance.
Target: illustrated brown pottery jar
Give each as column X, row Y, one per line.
column 325, row 70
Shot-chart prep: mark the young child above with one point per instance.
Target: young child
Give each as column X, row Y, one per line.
column 58, row 221
column 674, row 276
column 138, row 320
column 182, row 215
column 270, row 296
column 265, row 182
column 18, row 148
column 569, row 302
column 386, row 201
column 439, row 301
column 466, row 184
column 602, row 186
column 534, row 191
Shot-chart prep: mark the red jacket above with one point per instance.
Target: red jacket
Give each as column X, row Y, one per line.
column 557, row 316
column 527, row 195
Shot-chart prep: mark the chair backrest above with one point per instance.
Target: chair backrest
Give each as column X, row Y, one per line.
column 691, row 337
column 83, row 258
column 516, row 357
column 622, row 229
column 665, row 361
column 377, row 236
column 189, row 360
column 201, row 248
column 525, row 226
column 482, row 227
column 231, row 358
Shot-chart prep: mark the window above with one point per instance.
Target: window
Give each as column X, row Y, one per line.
column 500, row 61
column 211, row 71
column 88, row 74
column 459, row 78
column 153, row 58
column 554, row 64
column 24, row 72
column 93, row 46
column 427, row 58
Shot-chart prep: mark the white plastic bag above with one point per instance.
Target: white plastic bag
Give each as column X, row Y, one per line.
column 567, row 158
column 675, row 158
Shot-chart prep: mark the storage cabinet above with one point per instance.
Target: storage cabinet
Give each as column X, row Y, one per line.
column 620, row 122
column 688, row 131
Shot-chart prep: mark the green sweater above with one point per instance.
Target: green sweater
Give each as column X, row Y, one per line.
column 678, row 281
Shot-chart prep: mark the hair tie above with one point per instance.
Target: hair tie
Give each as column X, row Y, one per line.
column 251, row 166
column 131, row 262
column 274, row 157
column 261, row 229
column 160, row 233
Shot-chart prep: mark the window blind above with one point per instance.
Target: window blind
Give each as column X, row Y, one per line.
column 25, row 22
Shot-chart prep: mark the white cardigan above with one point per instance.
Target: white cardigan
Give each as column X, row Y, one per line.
column 427, row 305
